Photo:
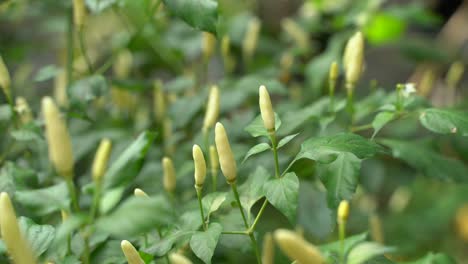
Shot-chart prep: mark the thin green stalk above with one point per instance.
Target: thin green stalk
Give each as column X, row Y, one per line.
column 214, row 178
column 342, row 235
column 235, row 233
column 96, row 200
column 274, row 143
column 84, row 51
column 200, row 204
column 73, row 196
column 259, row 215
column 251, row 235
column 350, row 101
column 70, row 27
column 86, row 253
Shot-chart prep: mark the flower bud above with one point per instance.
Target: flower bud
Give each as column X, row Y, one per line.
column 455, row 73
column 123, row 64
column 79, row 13
column 461, row 222
column 140, row 193
column 64, row 215
column 200, row 165
column 208, row 45
column 5, row 80
column 226, row 157
column 251, row 38
column 266, row 109
column 101, row 159
column 58, row 139
column 60, row 89
column 353, row 60
column 23, row 110
column 159, row 102
column 176, row 258
column 268, row 252
column 343, row 212
column 212, row 109
column 296, row 248
column 334, row 72
column 131, row 254
column 17, row 246
column 299, row 35
column 169, row 180
column 167, row 136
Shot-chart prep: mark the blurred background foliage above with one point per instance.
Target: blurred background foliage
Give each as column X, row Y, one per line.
column 130, row 44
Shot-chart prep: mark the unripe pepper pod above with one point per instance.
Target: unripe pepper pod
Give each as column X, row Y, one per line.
column 334, row 71
column 212, row 109
column 79, row 13
column 354, row 59
column 249, row 43
column 200, row 166
column 17, row 246
column 159, row 101
column 101, row 159
column 208, row 45
column 214, row 160
column 131, row 254
column 268, row 250
column 177, row 258
column 5, row 79
column 296, row 248
column 266, row 109
column 226, row 157
column 343, row 212
column 58, row 139
column 140, row 193
column 60, row 89
column 455, row 73
column 169, row 180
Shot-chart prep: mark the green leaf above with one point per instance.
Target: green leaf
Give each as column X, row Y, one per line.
column 204, row 243
column 109, row 253
column 259, row 148
column 88, row 89
column 340, row 177
column 445, row 121
column 200, row 14
column 46, row 73
column 164, row 245
column 137, row 215
column 380, row 120
column 110, row 199
column 257, row 129
column 286, row 140
column 282, row 193
column 433, row 258
column 212, row 202
column 252, row 190
column 384, row 28
column 326, row 149
column 365, row 251
column 68, row 227
column 130, row 162
column 335, row 247
column 429, row 162
column 40, row 237
column 44, row 201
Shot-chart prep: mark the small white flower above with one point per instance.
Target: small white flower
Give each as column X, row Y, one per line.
column 410, row 88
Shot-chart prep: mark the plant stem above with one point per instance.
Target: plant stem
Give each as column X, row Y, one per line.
column 252, row 227
column 342, row 235
column 96, row 200
column 69, row 40
column 250, row 233
column 73, row 196
column 350, row 101
column 359, row 128
column 84, row 50
column 274, row 143
column 86, row 252
column 235, row 232
column 200, row 204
